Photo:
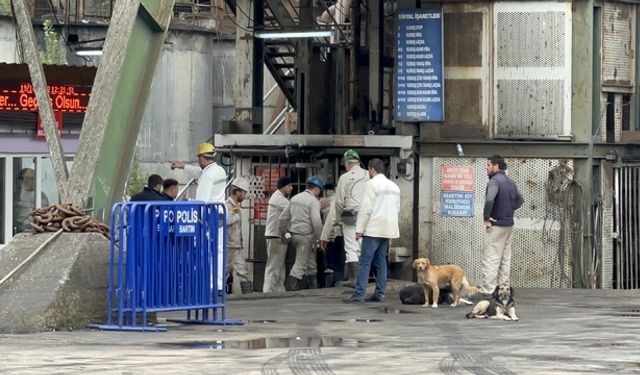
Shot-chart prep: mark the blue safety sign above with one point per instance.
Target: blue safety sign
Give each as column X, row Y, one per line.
column 457, row 203
column 419, row 66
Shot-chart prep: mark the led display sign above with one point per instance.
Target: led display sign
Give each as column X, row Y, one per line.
column 21, row 97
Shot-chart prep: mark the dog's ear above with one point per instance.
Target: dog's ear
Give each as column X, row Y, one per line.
column 428, row 263
column 415, row 264
column 511, row 291
column 496, row 291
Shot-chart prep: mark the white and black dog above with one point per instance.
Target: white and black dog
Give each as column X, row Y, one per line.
column 501, row 307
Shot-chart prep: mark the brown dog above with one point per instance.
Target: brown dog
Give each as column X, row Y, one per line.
column 436, row 277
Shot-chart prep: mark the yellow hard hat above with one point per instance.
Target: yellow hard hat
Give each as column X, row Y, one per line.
column 206, row 148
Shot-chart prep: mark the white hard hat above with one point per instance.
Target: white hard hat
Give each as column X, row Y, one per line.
column 241, row 183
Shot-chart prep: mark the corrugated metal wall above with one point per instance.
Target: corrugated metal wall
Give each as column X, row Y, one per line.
column 466, row 65
column 192, row 92
column 541, row 252
column 532, row 69
column 618, row 44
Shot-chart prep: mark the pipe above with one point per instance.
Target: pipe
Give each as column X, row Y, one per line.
column 31, row 256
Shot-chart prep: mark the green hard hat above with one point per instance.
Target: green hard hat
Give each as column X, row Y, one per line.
column 351, row 154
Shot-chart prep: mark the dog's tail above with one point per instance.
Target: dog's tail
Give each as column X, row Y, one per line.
column 467, row 289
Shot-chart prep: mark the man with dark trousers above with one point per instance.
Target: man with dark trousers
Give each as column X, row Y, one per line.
column 376, row 224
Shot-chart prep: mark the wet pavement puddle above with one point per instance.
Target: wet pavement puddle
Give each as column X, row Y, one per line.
column 268, row 343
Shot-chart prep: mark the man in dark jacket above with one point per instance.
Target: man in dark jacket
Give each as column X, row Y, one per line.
column 152, row 192
column 502, row 199
column 170, row 188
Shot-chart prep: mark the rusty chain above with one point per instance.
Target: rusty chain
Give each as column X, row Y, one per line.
column 65, row 217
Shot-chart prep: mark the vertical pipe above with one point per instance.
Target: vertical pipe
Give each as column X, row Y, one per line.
column 616, row 201
column 626, row 229
column 634, row 215
column 353, row 66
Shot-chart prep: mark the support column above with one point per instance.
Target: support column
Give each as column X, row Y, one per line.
column 132, row 48
column 375, row 61
column 581, row 127
column 304, row 54
column 244, row 62
column 39, row 81
column 258, row 70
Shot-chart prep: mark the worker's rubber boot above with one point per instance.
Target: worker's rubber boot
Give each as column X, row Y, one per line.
column 246, row 287
column 312, row 281
column 292, row 283
column 352, row 272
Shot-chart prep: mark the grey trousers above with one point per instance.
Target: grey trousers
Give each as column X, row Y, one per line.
column 351, row 245
column 237, row 264
column 496, row 258
column 274, row 272
column 305, row 257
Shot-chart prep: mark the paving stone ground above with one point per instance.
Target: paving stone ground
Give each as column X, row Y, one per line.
column 561, row 331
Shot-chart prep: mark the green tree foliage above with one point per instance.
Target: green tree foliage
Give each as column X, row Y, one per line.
column 136, row 179
column 5, row 6
column 54, row 53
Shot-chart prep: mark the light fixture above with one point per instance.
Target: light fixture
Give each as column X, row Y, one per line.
column 88, row 52
column 291, row 34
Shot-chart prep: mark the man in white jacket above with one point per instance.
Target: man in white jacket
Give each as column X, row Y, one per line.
column 212, row 179
column 275, row 270
column 377, row 223
column 235, row 244
column 212, row 183
column 347, row 204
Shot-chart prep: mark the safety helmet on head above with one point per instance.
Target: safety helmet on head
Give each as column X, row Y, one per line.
column 351, row 154
column 316, row 181
column 241, row 183
column 206, row 149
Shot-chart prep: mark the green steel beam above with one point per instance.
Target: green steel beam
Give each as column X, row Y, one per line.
column 133, row 45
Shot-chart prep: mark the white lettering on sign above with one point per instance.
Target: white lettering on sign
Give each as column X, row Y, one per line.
column 183, row 221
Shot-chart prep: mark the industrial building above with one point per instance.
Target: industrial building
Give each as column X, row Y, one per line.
column 550, row 85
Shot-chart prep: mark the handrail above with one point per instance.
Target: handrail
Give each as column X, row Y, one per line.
column 184, row 189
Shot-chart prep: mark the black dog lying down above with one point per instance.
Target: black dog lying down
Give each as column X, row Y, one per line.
column 414, row 295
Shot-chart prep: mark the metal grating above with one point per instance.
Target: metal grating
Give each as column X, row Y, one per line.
column 536, row 259
column 626, row 213
column 463, row 104
column 618, row 44
column 540, row 33
column 463, row 38
column 607, row 230
column 530, row 107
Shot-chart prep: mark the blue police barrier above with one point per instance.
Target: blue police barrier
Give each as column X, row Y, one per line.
column 166, row 256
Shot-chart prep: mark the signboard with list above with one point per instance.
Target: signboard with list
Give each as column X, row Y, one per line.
column 419, row 66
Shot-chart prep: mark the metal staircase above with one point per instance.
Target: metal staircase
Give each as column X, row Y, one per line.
column 280, row 54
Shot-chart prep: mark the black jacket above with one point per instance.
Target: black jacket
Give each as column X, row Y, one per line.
column 149, row 194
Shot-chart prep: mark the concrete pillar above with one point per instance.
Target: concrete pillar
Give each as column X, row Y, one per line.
column 244, row 62
column 258, row 70
column 30, row 52
column 581, row 125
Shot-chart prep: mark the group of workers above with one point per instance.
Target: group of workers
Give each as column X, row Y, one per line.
column 363, row 213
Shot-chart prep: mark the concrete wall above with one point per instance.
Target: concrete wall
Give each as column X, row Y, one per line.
column 8, row 45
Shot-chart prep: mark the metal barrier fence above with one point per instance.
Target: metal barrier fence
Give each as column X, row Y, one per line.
column 166, row 257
